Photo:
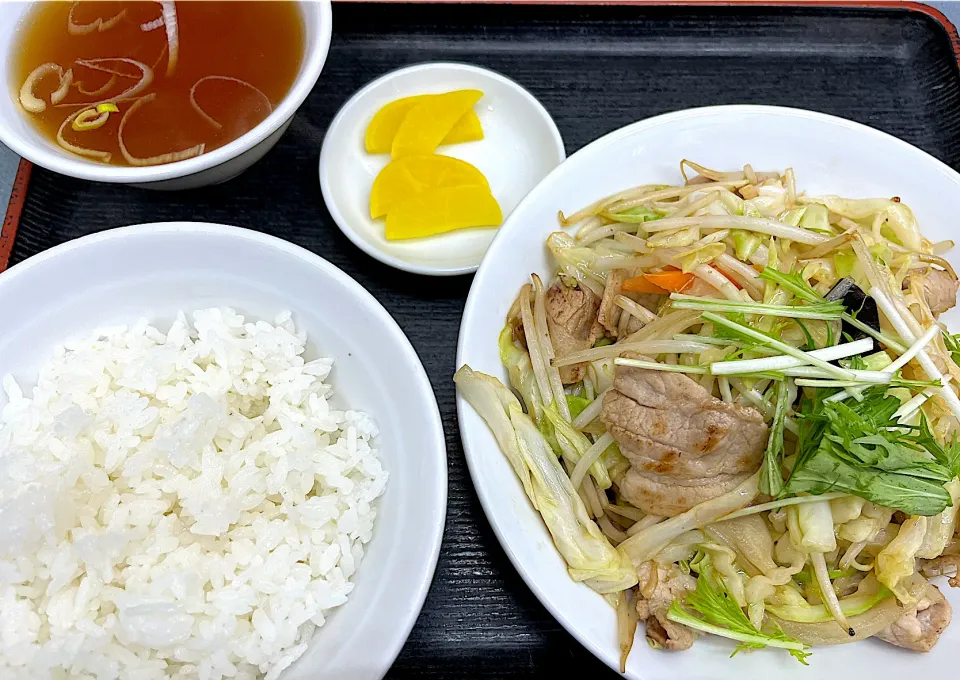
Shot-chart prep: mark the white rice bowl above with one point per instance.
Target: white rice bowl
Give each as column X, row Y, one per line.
column 182, row 505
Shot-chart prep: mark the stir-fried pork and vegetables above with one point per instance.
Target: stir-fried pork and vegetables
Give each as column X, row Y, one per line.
column 736, row 411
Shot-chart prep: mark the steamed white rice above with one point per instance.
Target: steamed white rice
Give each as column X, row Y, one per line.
column 183, row 505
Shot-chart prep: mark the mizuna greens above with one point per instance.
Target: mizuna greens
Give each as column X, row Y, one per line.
column 850, row 447
column 717, row 611
column 735, row 408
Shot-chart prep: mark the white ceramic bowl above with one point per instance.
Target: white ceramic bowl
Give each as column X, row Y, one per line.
column 829, row 156
column 521, row 145
column 155, row 270
column 214, row 167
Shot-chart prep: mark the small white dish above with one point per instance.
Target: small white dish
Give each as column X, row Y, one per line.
column 521, row 145
column 214, row 167
column 154, row 270
column 828, row 155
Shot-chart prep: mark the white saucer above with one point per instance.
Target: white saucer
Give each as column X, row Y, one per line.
column 521, row 146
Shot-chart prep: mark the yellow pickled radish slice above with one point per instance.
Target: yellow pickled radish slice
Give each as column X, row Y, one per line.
column 427, row 123
column 441, row 210
column 385, row 123
column 404, row 177
column 467, row 129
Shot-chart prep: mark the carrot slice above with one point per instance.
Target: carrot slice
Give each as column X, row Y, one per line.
column 639, row 284
column 673, row 281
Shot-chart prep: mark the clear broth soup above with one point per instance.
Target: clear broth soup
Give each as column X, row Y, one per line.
column 185, row 78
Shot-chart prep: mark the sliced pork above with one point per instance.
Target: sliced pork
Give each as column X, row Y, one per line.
column 668, row 496
column 920, row 628
column 572, row 320
column 659, row 587
column 684, row 445
column 940, row 290
column 610, row 314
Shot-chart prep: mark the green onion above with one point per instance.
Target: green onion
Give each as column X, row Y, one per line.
column 805, row 382
column 701, row 369
column 821, row 311
column 870, row 377
column 707, row 339
column 723, row 342
column 903, row 330
column 748, row 332
column 783, row 362
column 654, row 366
column 876, row 335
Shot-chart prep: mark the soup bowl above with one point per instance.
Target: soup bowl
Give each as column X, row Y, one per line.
column 219, row 165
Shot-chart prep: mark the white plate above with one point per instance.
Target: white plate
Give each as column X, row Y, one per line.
column 829, row 155
column 155, row 270
column 521, row 145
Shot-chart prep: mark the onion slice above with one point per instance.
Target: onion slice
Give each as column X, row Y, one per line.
column 103, row 156
column 173, row 34
column 89, row 119
column 99, row 25
column 148, row 26
column 63, row 89
column 93, row 118
column 168, row 19
column 171, row 157
column 866, row 625
column 100, row 90
column 31, row 102
column 106, row 65
column 210, row 119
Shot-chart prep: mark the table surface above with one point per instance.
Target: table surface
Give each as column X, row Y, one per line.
column 517, row 630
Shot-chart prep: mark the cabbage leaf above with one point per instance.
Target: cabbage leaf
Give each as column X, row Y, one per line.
column 897, row 560
column 520, row 370
column 589, row 556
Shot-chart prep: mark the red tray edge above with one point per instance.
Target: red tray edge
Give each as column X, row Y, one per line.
column 11, row 220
